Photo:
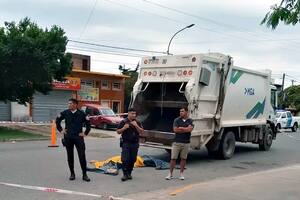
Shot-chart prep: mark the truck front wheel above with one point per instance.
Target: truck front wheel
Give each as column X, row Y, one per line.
column 266, row 143
column 227, row 146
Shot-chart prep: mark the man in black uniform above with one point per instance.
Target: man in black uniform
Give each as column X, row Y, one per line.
column 73, row 135
column 130, row 129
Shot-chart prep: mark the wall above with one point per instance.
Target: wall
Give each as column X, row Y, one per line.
column 19, row 113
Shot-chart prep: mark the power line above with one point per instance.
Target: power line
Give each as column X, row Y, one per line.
column 204, row 19
column 174, row 20
column 105, row 52
column 144, row 11
column 198, row 17
column 292, row 77
column 107, row 61
column 116, row 47
column 88, row 19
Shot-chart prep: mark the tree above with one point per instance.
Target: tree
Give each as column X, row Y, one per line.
column 288, row 12
column 30, row 58
column 129, row 83
column 292, row 97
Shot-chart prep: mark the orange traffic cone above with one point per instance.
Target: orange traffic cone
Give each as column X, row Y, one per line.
column 53, row 135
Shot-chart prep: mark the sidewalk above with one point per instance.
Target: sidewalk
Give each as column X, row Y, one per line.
column 276, row 184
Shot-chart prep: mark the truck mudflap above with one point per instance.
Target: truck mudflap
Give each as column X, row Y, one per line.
column 152, row 137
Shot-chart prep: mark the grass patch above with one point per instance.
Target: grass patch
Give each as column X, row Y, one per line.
column 7, row 134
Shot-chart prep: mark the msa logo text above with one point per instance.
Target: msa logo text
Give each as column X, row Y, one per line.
column 249, row 91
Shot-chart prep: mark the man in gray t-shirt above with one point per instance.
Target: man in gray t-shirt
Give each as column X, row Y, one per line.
column 182, row 128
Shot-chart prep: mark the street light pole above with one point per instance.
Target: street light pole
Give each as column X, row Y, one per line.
column 189, row 26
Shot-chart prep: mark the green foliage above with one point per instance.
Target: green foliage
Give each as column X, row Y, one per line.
column 291, row 97
column 129, row 83
column 30, row 58
column 288, row 12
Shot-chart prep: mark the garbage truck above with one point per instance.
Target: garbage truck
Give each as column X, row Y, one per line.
column 228, row 104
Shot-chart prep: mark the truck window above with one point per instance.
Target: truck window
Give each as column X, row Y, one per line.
column 283, row 115
column 289, row 115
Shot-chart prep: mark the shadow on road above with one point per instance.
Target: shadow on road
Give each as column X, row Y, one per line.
column 201, row 156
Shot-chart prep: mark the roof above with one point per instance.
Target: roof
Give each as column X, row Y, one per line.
column 100, row 73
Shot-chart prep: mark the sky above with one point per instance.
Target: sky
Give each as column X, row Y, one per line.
column 230, row 27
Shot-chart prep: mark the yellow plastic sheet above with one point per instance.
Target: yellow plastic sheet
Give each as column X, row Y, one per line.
column 117, row 159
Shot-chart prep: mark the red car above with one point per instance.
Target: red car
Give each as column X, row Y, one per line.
column 101, row 117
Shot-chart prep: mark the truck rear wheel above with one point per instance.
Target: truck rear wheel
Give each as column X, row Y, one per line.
column 266, row 143
column 295, row 127
column 227, row 146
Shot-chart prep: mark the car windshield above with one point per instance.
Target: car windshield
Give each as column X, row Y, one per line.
column 107, row 111
column 278, row 114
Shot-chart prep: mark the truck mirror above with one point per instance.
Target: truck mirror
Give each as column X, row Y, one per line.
column 204, row 76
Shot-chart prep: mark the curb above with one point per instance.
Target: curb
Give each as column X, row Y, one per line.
column 24, row 140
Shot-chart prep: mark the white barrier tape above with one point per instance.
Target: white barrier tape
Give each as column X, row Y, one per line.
column 54, row 190
column 117, row 198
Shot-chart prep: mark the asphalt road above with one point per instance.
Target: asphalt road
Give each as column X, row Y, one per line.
column 34, row 164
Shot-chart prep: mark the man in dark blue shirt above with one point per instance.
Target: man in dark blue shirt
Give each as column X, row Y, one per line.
column 182, row 128
column 73, row 135
column 130, row 129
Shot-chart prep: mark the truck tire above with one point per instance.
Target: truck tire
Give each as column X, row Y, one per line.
column 266, row 143
column 227, row 145
column 295, row 127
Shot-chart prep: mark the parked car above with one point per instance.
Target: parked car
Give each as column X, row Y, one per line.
column 101, row 117
column 285, row 120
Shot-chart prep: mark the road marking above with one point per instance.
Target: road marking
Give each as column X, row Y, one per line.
column 54, row 190
column 180, row 190
column 117, row 198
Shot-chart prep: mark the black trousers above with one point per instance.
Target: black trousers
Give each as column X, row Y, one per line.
column 80, row 146
column 128, row 157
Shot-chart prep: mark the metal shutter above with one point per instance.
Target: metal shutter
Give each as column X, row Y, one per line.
column 46, row 107
column 5, row 111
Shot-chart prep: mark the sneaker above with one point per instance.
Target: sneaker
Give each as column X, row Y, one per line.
column 181, row 177
column 169, row 177
column 129, row 177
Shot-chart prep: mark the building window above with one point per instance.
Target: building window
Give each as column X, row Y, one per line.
column 85, row 65
column 116, row 86
column 88, row 83
column 105, row 85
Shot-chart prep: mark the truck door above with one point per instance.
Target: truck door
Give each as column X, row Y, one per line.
column 284, row 120
column 289, row 120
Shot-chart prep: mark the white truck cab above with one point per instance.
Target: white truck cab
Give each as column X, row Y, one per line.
column 285, row 120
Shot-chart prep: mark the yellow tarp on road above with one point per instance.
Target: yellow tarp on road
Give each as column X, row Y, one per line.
column 117, row 159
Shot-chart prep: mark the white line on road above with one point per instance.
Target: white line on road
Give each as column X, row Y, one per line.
column 45, row 189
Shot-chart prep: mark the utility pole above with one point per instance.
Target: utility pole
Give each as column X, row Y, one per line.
column 282, row 91
column 283, row 77
column 293, row 82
